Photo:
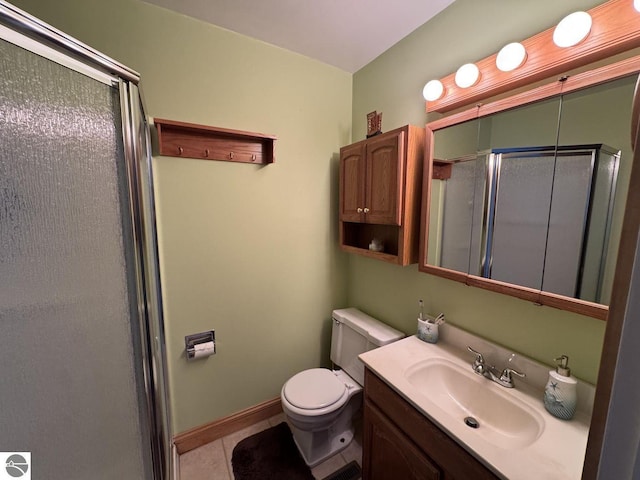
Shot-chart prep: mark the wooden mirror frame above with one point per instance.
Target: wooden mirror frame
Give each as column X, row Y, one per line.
column 562, row 86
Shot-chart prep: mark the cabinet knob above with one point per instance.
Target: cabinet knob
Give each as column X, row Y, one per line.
column 359, row 210
column 366, row 210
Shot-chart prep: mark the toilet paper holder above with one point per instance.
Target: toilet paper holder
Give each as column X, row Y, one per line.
column 200, row 345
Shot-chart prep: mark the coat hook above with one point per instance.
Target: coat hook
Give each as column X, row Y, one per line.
column 253, row 157
column 180, row 150
column 206, row 152
column 231, row 155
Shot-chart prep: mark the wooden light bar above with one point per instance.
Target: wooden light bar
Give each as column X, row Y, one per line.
column 615, row 29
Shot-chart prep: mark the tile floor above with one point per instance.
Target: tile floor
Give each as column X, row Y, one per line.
column 213, row 460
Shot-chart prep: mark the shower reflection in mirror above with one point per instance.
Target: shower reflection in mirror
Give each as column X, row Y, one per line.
column 538, row 216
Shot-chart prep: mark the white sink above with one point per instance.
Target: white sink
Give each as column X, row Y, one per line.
column 501, row 420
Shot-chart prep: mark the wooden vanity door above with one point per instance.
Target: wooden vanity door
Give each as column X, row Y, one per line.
column 388, row 454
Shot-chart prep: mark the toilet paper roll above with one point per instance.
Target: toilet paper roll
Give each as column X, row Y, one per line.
column 204, row 349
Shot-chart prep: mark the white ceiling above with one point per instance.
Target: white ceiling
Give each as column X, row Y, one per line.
column 345, row 33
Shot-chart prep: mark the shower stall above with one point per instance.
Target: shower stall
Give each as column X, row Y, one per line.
column 83, row 380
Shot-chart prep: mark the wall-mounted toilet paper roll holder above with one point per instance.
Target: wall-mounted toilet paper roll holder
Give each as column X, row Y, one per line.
column 204, row 342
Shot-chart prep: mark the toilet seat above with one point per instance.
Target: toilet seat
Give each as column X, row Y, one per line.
column 315, row 389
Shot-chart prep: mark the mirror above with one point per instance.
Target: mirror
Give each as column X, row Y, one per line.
column 513, row 198
column 454, row 177
column 601, row 113
column 528, row 198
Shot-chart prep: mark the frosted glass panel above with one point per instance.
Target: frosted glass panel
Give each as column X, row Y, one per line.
column 481, row 193
column 521, row 218
column 594, row 286
column 457, row 216
column 69, row 383
column 567, row 220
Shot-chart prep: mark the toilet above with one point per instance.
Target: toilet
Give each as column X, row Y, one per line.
column 320, row 403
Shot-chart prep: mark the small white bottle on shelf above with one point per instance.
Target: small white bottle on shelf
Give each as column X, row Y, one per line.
column 560, row 396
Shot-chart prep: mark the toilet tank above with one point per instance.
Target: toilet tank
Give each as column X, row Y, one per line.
column 354, row 332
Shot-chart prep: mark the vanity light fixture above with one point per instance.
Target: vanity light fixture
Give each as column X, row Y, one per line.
column 467, row 75
column 511, row 56
column 433, row 90
column 594, row 35
column 572, row 29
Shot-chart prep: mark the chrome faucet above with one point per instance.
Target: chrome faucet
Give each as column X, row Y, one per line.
column 489, row 371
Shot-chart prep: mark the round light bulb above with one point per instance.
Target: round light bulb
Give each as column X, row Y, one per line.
column 433, row 90
column 572, row 29
column 511, row 56
column 467, row 75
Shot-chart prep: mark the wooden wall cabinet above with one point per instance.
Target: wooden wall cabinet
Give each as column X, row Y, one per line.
column 380, row 191
column 400, row 442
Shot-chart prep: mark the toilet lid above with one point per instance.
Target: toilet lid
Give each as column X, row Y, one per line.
column 314, row 388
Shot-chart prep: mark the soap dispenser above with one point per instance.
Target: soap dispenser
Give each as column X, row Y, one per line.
column 560, row 397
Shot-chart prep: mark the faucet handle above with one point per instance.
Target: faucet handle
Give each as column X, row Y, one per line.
column 478, row 364
column 506, row 375
column 479, row 357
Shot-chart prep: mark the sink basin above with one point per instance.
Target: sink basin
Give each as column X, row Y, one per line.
column 501, row 419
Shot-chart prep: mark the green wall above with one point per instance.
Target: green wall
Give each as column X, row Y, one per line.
column 466, row 31
column 246, row 250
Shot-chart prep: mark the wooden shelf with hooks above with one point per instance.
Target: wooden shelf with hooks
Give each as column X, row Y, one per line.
column 190, row 140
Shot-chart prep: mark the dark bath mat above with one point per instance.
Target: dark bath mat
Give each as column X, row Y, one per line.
column 351, row 471
column 271, row 453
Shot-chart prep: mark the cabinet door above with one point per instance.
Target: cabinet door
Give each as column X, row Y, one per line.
column 389, row 454
column 352, row 191
column 384, row 175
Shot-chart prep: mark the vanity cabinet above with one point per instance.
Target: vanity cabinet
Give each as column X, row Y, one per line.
column 400, row 442
column 380, row 190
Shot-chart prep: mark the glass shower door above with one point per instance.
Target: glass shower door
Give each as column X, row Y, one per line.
column 72, row 388
column 521, row 217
